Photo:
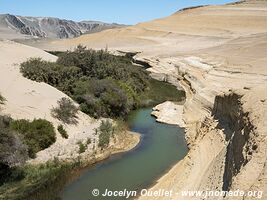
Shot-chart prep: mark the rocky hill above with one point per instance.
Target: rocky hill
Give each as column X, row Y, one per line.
column 13, row 27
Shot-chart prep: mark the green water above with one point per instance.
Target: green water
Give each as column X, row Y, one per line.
column 161, row 146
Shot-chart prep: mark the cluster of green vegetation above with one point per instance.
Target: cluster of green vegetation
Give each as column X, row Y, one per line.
column 106, row 131
column 83, row 146
column 62, row 131
column 19, row 140
column 103, row 84
column 33, row 182
column 66, row 111
column 38, row 134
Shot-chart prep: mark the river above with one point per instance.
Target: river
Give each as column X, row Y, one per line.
column 161, row 147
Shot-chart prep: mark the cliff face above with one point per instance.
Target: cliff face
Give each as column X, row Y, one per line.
column 240, row 135
column 225, row 126
column 48, row 27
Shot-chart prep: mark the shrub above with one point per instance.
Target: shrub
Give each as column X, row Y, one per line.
column 106, row 130
column 66, row 111
column 101, row 98
column 82, row 147
column 62, row 131
column 2, row 99
column 54, row 74
column 38, row 134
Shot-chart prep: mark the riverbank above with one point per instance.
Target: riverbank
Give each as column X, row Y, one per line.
column 122, row 142
column 45, row 181
column 161, row 147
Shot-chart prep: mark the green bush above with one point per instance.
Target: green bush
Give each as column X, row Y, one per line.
column 54, row 74
column 66, row 111
column 82, row 147
column 62, row 131
column 101, row 98
column 106, row 131
column 38, row 134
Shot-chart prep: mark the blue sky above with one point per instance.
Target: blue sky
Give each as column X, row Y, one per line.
column 119, row 11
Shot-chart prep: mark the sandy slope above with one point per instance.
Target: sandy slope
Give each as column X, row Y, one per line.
column 218, row 55
column 189, row 30
column 26, row 99
column 29, row 100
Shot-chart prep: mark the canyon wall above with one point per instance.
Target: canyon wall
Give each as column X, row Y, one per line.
column 225, row 127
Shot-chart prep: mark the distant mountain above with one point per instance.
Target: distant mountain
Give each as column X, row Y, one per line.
column 13, row 26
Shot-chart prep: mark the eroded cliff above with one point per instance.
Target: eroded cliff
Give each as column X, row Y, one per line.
column 225, row 127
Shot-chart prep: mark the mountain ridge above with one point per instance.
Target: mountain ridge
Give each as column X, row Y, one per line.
column 16, row 27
